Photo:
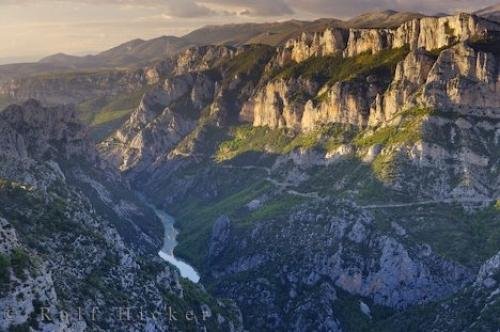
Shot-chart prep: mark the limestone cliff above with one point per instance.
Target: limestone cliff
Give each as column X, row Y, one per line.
column 459, row 76
column 328, row 42
column 428, row 32
column 160, row 121
column 326, row 187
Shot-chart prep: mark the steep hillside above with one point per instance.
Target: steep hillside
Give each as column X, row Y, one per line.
column 491, row 13
column 343, row 181
column 76, row 245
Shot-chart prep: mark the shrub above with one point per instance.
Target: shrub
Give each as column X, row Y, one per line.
column 20, row 261
column 4, row 271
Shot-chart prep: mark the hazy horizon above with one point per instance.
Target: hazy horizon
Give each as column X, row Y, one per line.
column 33, row 29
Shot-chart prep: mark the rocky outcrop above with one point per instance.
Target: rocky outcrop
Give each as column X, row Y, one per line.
column 409, row 77
column 280, row 104
column 329, row 42
column 342, row 250
column 428, row 33
column 45, row 125
column 460, row 78
column 300, row 103
column 463, row 77
column 165, row 116
column 368, row 40
column 30, row 291
column 220, row 236
column 75, row 240
column 346, row 102
column 74, row 88
column 191, row 60
column 488, row 273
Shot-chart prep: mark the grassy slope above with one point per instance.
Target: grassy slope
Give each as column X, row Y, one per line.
column 247, row 139
column 471, row 237
column 195, row 219
column 335, row 68
column 248, row 60
column 105, row 115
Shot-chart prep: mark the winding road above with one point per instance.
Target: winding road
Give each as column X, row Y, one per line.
column 314, row 195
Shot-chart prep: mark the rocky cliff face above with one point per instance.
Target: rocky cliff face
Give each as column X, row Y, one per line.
column 160, row 121
column 73, row 88
column 428, row 33
column 178, row 105
column 75, row 246
column 308, row 105
column 344, row 252
column 319, row 185
column 311, row 185
column 191, row 60
column 328, row 42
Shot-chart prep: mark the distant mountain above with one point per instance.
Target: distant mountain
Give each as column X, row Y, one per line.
column 279, row 32
column 491, row 13
column 132, row 53
column 137, row 53
column 256, row 33
column 382, row 19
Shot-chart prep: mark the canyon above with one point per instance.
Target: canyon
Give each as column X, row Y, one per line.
column 344, row 178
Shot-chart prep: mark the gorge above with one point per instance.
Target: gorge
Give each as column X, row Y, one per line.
column 343, row 177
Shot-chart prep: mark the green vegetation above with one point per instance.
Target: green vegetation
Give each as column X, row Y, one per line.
column 408, row 131
column 281, row 141
column 347, row 309
column 205, row 136
column 20, row 261
column 195, row 220
column 106, row 114
column 384, row 166
column 4, row 272
column 467, row 237
column 5, row 101
column 248, row 138
column 105, row 117
column 335, row 68
column 273, row 208
column 245, row 62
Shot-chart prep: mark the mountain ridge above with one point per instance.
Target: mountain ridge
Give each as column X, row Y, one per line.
column 345, row 180
column 139, row 52
column 214, row 34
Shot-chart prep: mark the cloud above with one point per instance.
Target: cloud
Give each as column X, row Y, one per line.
column 349, row 8
column 277, row 8
column 187, row 8
column 255, row 7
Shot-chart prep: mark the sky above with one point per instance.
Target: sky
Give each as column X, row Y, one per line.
column 32, row 29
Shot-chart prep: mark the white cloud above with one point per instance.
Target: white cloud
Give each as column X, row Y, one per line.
column 263, row 8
